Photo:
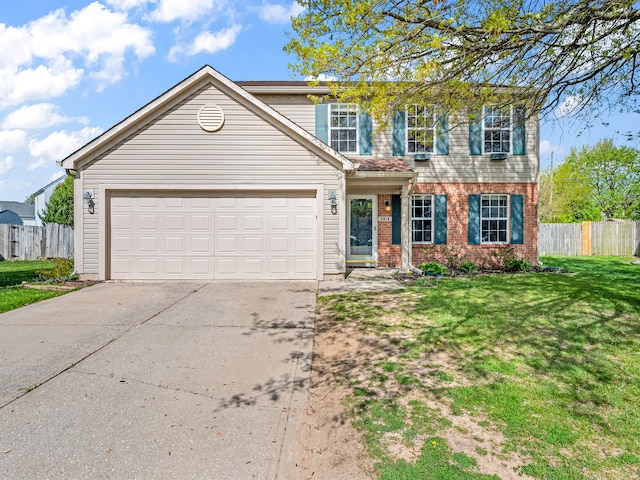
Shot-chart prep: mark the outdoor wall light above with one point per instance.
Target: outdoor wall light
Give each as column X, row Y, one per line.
column 333, row 202
column 88, row 196
column 387, row 205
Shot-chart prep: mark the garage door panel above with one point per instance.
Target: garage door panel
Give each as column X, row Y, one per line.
column 148, row 245
column 253, row 246
column 201, row 223
column 305, row 223
column 304, row 266
column 174, row 222
column 252, row 223
column 147, row 222
column 121, row 222
column 158, row 236
column 226, row 223
column 305, row 245
column 175, row 266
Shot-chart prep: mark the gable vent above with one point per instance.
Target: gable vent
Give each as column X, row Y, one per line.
column 210, row 118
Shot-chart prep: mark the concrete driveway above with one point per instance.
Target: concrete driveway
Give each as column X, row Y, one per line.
column 156, row 380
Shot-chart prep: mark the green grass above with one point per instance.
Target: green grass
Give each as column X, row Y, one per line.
column 551, row 362
column 12, row 274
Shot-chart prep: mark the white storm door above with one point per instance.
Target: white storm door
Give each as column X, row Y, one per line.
column 362, row 229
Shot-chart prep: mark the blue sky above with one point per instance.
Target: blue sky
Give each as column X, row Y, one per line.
column 69, row 70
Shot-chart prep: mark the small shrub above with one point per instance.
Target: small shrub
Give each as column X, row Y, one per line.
column 61, row 270
column 517, row 265
column 468, row 267
column 433, row 268
column 510, row 261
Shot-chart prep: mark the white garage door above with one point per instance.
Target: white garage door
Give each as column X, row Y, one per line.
column 165, row 236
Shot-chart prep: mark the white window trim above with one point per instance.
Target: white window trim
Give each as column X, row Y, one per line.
column 357, row 128
column 433, row 218
column 484, row 110
column 406, row 128
column 507, row 218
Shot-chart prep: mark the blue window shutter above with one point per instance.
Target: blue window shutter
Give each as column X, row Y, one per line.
column 396, row 220
column 366, row 126
column 322, row 122
column 474, row 219
column 519, row 130
column 440, row 237
column 517, row 219
column 399, row 126
column 442, row 135
column 475, row 134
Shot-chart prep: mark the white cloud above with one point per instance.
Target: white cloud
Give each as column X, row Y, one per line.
column 207, row 42
column 547, row 148
column 12, row 140
column 274, row 13
column 38, row 59
column 42, row 82
column 568, row 106
column 40, row 115
column 170, row 10
column 323, row 77
column 59, row 145
column 6, row 164
column 127, row 4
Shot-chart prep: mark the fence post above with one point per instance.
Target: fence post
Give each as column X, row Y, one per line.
column 587, row 239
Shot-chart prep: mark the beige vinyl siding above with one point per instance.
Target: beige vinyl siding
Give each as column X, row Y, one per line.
column 458, row 166
column 297, row 108
column 173, row 150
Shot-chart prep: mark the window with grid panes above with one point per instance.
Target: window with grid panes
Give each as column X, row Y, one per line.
column 497, row 129
column 422, row 218
column 494, row 218
column 420, row 129
column 343, row 127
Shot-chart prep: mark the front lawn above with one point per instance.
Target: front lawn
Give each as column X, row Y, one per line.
column 497, row 376
column 12, row 274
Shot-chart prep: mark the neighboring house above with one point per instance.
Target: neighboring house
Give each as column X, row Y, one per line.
column 17, row 213
column 41, row 198
column 222, row 180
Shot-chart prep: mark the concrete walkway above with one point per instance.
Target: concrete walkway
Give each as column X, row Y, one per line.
column 361, row 280
column 156, row 380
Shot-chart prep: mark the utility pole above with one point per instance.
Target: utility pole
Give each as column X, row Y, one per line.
column 551, row 188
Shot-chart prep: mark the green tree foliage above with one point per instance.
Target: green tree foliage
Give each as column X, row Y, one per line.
column 449, row 52
column 60, row 206
column 595, row 182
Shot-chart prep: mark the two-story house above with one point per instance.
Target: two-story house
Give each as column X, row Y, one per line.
column 222, row 180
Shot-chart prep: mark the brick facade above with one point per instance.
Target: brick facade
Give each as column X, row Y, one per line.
column 457, row 230
column 389, row 255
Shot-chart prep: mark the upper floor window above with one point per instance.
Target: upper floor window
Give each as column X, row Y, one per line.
column 421, row 129
column 497, row 129
column 494, row 218
column 422, row 218
column 343, row 127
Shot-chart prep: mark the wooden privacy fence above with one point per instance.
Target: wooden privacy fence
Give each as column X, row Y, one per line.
column 589, row 238
column 25, row 242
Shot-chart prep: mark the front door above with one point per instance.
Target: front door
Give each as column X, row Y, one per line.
column 363, row 230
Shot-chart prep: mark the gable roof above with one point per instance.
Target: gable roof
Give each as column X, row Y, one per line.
column 22, row 209
column 50, row 184
column 206, row 74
